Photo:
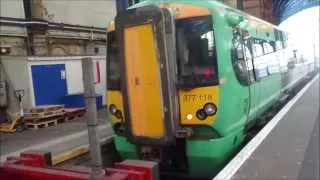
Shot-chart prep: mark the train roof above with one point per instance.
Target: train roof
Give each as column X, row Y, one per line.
column 214, row 5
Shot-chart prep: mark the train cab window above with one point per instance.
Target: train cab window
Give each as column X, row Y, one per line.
column 113, row 65
column 196, row 52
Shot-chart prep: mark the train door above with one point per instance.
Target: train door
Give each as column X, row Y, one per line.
column 254, row 86
column 243, row 67
column 245, row 54
column 146, row 36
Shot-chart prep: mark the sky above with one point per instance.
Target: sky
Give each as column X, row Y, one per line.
column 303, row 29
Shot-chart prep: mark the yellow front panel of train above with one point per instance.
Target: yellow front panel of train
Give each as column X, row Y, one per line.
column 143, row 82
column 193, row 100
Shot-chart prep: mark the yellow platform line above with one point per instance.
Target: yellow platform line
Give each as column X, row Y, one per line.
column 70, row 154
column 75, row 152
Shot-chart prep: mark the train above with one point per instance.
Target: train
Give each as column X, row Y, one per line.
column 186, row 79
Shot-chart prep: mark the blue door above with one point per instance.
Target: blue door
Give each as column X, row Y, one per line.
column 49, row 83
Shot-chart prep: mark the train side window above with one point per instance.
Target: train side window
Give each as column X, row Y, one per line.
column 257, row 49
column 278, row 45
column 278, row 40
column 242, row 60
column 260, row 66
column 267, row 48
column 273, row 45
column 283, row 38
column 285, row 43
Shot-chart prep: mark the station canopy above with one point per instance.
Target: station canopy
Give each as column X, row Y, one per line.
column 283, row 9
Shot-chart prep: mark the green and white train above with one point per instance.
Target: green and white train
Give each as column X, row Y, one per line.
column 187, row 77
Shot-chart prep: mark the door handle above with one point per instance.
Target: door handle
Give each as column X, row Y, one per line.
column 136, row 81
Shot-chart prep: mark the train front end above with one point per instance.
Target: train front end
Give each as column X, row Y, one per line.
column 163, row 88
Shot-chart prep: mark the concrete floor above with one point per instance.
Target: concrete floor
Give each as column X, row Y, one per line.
column 310, row 165
column 291, row 150
column 56, row 139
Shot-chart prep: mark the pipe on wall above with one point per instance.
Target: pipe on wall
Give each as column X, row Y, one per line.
column 53, row 25
column 28, row 16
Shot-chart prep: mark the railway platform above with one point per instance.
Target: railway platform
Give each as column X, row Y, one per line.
column 64, row 141
column 287, row 147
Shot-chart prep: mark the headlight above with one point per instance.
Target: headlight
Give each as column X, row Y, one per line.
column 118, row 114
column 113, row 109
column 210, row 109
column 201, row 114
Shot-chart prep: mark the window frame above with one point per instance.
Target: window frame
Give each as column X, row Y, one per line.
column 266, row 47
column 257, row 42
column 245, row 76
column 192, row 83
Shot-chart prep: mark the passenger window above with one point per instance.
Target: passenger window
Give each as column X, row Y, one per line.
column 273, row 46
column 267, row 48
column 284, row 40
column 257, row 50
column 261, row 70
column 278, row 45
column 273, row 67
column 249, row 63
column 260, row 66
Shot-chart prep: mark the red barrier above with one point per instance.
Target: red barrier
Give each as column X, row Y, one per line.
column 37, row 166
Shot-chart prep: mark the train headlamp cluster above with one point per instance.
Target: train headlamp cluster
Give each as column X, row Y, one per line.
column 208, row 109
column 114, row 111
column 201, row 114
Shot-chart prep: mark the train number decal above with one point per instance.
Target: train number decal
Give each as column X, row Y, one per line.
column 195, row 97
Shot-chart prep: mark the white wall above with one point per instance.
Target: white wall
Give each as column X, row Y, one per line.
column 74, row 76
column 73, row 73
column 17, row 77
column 14, row 9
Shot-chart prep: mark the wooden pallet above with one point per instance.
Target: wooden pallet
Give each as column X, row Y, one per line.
column 43, row 124
column 43, row 115
column 58, row 117
column 45, row 108
column 74, row 113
